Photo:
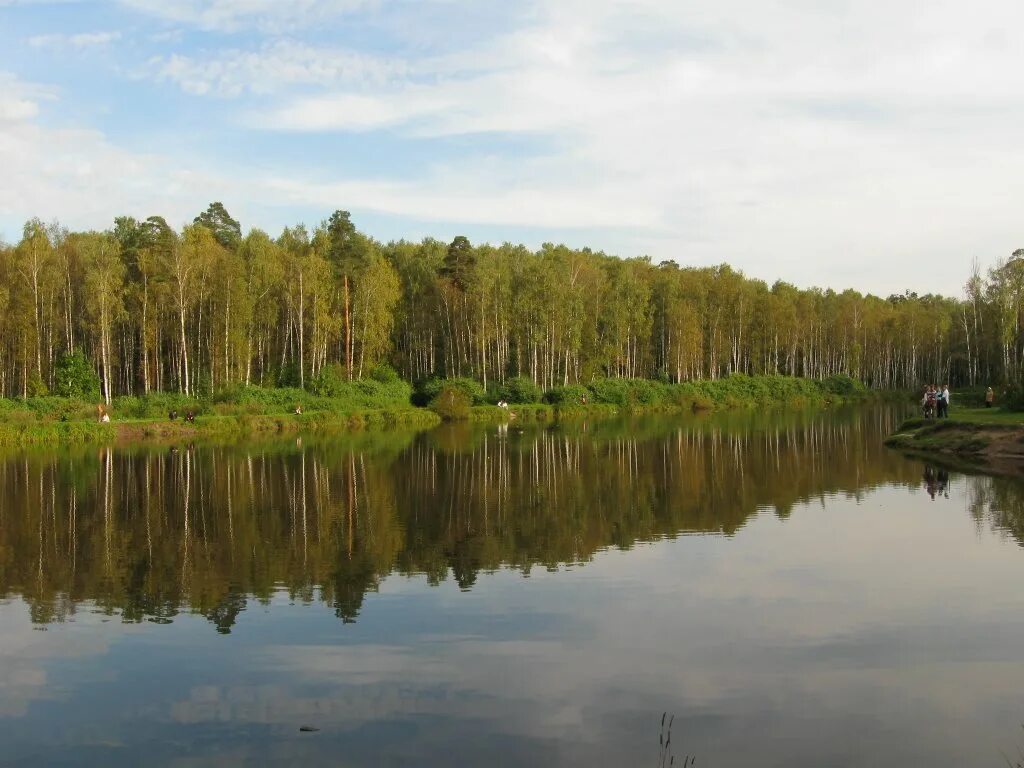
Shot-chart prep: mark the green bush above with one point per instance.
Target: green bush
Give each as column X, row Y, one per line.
column 289, row 376
column 629, row 392
column 740, row 390
column 329, row 381
column 73, row 376
column 36, row 387
column 611, row 391
column 520, row 390
column 843, row 385
column 385, row 374
column 451, row 403
column 1013, row 398
column 47, row 409
column 330, row 390
column 157, row 405
column 571, row 394
column 426, row 391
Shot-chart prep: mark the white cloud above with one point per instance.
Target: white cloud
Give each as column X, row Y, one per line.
column 77, row 41
column 790, row 139
column 19, row 101
column 72, row 173
column 15, row 110
column 234, row 15
column 11, row 3
column 454, row 196
column 830, row 142
column 273, row 67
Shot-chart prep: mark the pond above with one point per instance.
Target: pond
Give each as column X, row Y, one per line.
column 786, row 589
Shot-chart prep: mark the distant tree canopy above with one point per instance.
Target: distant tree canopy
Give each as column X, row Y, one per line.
column 149, row 308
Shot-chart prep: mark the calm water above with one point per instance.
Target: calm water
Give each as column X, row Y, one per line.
column 793, row 592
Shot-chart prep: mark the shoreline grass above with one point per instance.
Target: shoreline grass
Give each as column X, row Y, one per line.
column 355, row 406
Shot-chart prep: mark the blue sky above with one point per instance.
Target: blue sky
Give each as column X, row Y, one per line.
column 831, row 142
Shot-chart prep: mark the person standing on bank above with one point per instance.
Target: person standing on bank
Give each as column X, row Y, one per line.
column 990, row 397
column 944, row 402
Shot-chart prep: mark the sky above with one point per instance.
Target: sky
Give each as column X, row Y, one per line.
column 841, row 143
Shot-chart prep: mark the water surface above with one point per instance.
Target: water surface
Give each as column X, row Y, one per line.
column 791, row 591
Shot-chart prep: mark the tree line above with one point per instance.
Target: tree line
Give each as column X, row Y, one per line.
column 150, row 308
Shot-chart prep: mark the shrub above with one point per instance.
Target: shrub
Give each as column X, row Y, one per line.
column 520, row 390
column 451, row 403
column 427, row 390
column 385, row 374
column 1013, row 399
column 611, row 391
column 330, row 390
column 571, row 394
column 627, row 392
column 35, row 386
column 843, row 385
column 289, row 376
column 157, row 405
column 73, row 376
column 203, row 385
column 329, row 381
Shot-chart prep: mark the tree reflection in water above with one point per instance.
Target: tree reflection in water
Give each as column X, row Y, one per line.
column 145, row 534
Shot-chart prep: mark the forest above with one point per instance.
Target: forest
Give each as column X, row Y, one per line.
column 144, row 308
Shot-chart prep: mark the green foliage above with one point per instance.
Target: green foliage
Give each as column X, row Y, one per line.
column 329, row 381
column 158, row 405
column 289, row 375
column 203, row 384
column 426, row 391
column 21, row 434
column 843, row 385
column 459, row 262
column 734, row 391
column 225, row 229
column 331, row 394
column 35, row 386
column 520, row 390
column 35, row 410
column 570, row 395
column 153, row 303
column 385, row 374
column 451, row 403
column 741, row 390
column 333, row 384
column 628, row 392
column 1013, row 399
column 73, row 376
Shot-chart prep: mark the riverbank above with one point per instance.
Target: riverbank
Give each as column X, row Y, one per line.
column 257, row 412
column 228, row 427
column 982, row 438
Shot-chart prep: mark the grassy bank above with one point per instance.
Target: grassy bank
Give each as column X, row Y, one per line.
column 350, row 406
column 978, row 435
column 234, row 414
column 610, row 397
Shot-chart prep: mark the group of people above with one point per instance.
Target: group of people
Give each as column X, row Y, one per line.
column 935, row 402
column 190, row 417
